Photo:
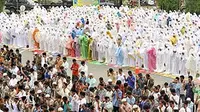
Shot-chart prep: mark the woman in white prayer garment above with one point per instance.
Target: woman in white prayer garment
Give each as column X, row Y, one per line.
column 175, row 62
column 182, row 62
column 191, row 63
column 159, row 59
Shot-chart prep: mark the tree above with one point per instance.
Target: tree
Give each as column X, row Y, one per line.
column 2, row 3
column 169, row 5
column 192, row 6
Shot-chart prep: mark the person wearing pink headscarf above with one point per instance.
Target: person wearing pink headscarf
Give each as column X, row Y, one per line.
column 151, row 59
column 69, row 46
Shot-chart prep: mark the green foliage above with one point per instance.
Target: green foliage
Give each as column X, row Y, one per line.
column 2, row 3
column 192, row 6
column 169, row 5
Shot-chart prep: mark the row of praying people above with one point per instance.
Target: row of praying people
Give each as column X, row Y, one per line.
column 142, row 37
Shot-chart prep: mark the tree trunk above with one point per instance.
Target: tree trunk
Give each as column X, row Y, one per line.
column 2, row 3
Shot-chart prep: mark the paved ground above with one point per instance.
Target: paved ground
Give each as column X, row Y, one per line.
column 97, row 70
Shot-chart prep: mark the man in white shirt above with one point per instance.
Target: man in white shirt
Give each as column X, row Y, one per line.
column 161, row 106
column 190, row 104
column 185, row 107
column 174, row 97
column 170, row 107
column 166, row 88
column 121, row 76
column 83, row 68
column 65, row 64
column 108, row 104
column 14, row 69
column 82, row 100
column 13, row 81
column 44, row 59
column 74, row 101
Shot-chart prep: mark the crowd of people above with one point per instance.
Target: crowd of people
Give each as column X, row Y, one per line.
column 147, row 38
column 43, row 85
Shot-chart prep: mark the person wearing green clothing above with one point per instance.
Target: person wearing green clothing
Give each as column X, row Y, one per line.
column 81, row 45
column 90, row 40
column 84, row 46
column 67, row 107
column 183, row 29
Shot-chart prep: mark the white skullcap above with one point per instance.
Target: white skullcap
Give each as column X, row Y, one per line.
column 135, row 106
column 60, row 109
column 109, row 80
column 5, row 74
column 91, row 74
column 39, row 91
column 188, row 99
column 47, row 95
column 26, row 87
column 54, row 83
column 124, row 100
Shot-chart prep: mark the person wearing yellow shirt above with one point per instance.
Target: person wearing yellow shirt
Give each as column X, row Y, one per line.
column 173, row 40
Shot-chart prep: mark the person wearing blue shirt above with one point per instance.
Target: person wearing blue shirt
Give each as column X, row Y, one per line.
column 117, row 96
column 131, row 80
column 83, row 77
column 189, row 88
column 47, row 76
column 130, row 99
column 176, row 85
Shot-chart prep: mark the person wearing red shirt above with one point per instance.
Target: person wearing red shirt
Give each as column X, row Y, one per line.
column 74, row 68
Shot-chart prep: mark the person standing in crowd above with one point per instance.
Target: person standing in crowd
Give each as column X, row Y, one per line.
column 121, row 76
column 83, row 68
column 182, row 89
column 75, row 73
column 65, row 64
column 117, row 96
column 19, row 55
column 131, row 80
column 189, row 88
column 44, row 59
column 91, row 81
column 175, row 98
column 166, row 88
column 190, row 104
column 111, row 74
column 140, row 81
column 149, row 82
column 58, row 62
column 125, row 107
column 185, row 107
